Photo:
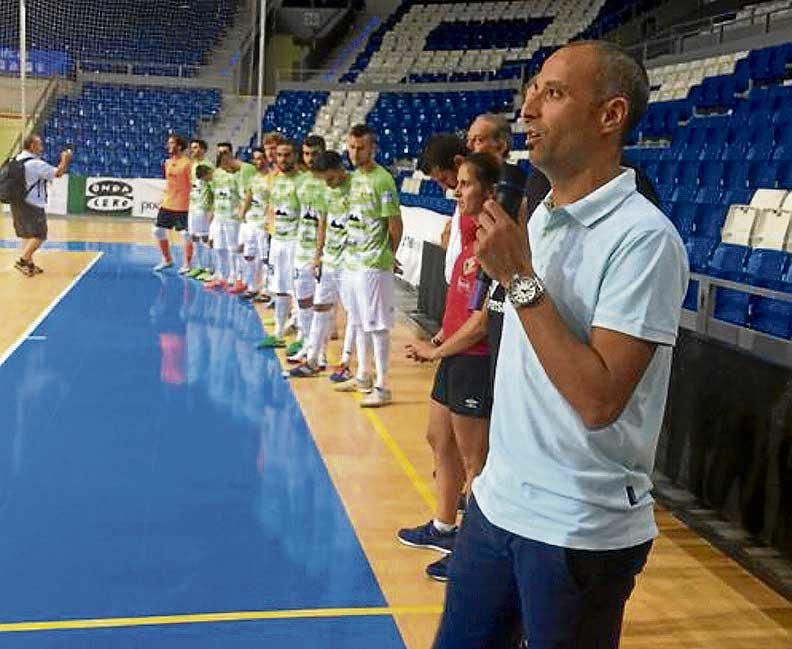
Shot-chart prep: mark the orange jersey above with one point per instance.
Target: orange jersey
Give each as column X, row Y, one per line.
column 178, row 180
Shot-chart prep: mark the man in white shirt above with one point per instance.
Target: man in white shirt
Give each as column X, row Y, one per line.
column 561, row 519
column 30, row 219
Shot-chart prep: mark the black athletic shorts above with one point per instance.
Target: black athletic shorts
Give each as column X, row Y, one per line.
column 30, row 222
column 462, row 384
column 171, row 220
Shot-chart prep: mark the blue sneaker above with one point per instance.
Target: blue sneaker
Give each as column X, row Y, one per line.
column 439, row 569
column 341, row 374
column 428, row 536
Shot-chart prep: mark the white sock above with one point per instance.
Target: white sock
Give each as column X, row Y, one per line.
column 198, row 253
column 381, row 343
column 235, row 269
column 304, row 321
column 264, row 267
column 445, row 528
column 349, row 341
column 362, row 346
column 320, row 328
column 222, row 264
column 250, row 272
column 281, row 314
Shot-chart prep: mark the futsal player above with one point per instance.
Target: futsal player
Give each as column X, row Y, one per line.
column 374, row 230
column 284, row 214
column 199, row 211
column 172, row 214
column 310, row 196
column 328, row 264
column 253, row 235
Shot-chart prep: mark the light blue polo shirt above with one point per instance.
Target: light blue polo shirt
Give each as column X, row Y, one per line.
column 611, row 260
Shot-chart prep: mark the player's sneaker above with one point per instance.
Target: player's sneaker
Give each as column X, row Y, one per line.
column 238, row 288
column 355, row 385
column 304, row 371
column 429, row 537
column 263, row 298
column 271, row 342
column 205, row 276
column 184, row 270
column 294, row 348
column 377, row 398
column 248, row 295
column 215, row 283
column 165, row 263
column 195, row 272
column 24, row 267
column 341, row 374
column 299, row 357
column 323, row 361
column 438, row 570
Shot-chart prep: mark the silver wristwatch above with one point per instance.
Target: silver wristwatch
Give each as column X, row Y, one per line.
column 525, row 290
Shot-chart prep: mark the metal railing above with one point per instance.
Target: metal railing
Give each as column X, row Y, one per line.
column 716, row 28
column 703, row 321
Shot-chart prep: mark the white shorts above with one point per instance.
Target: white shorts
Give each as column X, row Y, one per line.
column 214, row 231
column 304, row 282
column 328, row 288
column 227, row 235
column 254, row 240
column 282, row 263
column 198, row 223
column 346, row 291
column 372, row 302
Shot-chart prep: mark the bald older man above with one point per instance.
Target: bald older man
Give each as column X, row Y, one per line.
column 561, row 519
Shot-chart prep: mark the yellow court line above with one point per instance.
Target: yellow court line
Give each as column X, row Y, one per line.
column 210, row 618
column 401, row 457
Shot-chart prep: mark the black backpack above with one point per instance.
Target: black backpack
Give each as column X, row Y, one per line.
column 13, row 186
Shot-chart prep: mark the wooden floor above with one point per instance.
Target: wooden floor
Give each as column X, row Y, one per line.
column 690, row 595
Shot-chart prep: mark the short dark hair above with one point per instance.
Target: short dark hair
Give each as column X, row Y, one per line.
column 328, row 161
column 225, row 145
column 620, row 74
column 258, row 149
column 180, row 141
column 202, row 171
column 440, row 151
column 201, row 143
column 29, row 140
column 487, row 168
column 362, row 130
column 315, row 142
column 287, row 142
column 221, row 156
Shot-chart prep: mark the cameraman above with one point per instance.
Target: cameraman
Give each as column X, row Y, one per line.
column 561, row 519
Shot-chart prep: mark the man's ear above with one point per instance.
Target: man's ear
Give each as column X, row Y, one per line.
column 458, row 160
column 614, row 115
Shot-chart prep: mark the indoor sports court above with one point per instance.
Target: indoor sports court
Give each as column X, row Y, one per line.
column 192, row 456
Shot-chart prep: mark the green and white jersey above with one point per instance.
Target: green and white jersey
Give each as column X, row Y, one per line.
column 373, row 200
column 200, row 190
column 286, row 206
column 336, row 201
column 225, row 189
column 259, row 199
column 310, row 195
column 244, row 176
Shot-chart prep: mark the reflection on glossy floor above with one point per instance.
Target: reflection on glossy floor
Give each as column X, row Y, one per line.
column 153, row 464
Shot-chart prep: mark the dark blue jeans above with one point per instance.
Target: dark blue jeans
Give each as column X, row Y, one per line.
column 566, row 599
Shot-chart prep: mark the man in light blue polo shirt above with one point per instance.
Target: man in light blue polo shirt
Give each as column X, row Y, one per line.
column 561, row 520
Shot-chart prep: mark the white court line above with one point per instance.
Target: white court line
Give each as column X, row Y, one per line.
column 26, row 334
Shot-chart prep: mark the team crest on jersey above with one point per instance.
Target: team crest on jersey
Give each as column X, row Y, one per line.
column 469, row 265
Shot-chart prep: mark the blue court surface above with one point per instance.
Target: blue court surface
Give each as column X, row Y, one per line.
column 152, row 462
